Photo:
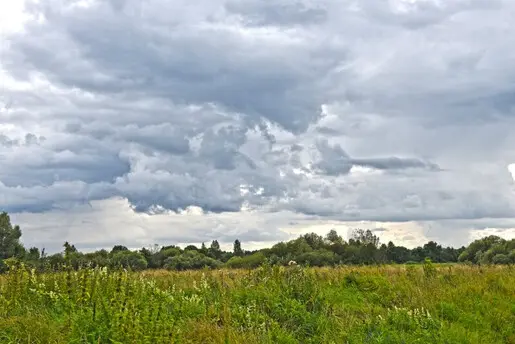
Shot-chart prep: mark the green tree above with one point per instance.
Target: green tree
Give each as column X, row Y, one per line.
column 333, row 238
column 314, row 240
column 10, row 245
column 365, row 237
column 129, row 260
column 214, row 250
column 247, row 262
column 118, row 248
column 501, row 259
column 33, row 254
column 190, row 260
column 237, row 248
column 203, row 249
column 476, row 250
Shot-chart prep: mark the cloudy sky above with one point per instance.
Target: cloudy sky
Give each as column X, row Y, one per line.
column 159, row 121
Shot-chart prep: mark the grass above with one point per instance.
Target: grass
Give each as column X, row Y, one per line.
column 379, row 304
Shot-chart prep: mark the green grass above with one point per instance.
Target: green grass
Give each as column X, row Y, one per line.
column 381, row 304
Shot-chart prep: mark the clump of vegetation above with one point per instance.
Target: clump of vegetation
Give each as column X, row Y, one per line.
column 490, row 250
column 270, row 304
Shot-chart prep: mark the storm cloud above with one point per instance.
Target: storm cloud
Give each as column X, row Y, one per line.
column 377, row 111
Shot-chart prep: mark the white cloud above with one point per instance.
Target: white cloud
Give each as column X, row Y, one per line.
column 511, row 169
column 12, row 16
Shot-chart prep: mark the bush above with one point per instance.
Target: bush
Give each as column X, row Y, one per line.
column 317, row 258
column 501, row 259
column 247, row 262
column 129, row 260
column 190, row 260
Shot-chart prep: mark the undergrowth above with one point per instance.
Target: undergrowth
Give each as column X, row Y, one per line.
column 381, row 304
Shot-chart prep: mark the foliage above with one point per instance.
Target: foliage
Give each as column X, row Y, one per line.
column 271, row 304
column 190, row 260
column 490, row 250
column 247, row 262
column 10, row 245
column 310, row 249
column 237, row 250
column 128, row 259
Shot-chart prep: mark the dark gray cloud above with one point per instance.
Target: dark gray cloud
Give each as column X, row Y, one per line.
column 335, row 161
column 370, row 110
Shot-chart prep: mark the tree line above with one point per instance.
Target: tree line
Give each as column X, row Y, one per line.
column 311, row 249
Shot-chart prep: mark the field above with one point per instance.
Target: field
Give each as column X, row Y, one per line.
column 376, row 304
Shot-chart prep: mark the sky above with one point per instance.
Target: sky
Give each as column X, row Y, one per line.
column 139, row 122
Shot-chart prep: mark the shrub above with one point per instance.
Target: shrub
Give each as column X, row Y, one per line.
column 190, row 260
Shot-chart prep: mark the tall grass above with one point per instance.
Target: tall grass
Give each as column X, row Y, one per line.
column 381, row 304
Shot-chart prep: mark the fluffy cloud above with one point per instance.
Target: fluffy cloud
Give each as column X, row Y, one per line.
column 396, row 112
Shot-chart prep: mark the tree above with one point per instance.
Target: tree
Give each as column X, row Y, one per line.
column 314, row 240
column 203, row 249
column 118, row 248
column 10, row 235
column 129, row 260
column 501, row 259
column 365, row 237
column 215, row 246
column 475, row 251
column 33, row 254
column 237, row 248
column 214, row 250
column 248, row 262
column 317, row 258
column 68, row 249
column 190, row 260
column 333, row 238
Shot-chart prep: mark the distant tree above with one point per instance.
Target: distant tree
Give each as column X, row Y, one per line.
column 190, row 260
column 237, row 248
column 215, row 246
column 475, row 251
column 155, row 258
column 98, row 258
column 118, row 248
column 68, row 250
column 129, row 260
column 314, row 240
column 280, row 249
column 397, row 254
column 298, row 246
column 33, row 254
column 214, row 250
column 55, row 261
column 501, row 259
column 320, row 257
column 10, row 245
column 191, row 248
column 247, row 262
column 333, row 238
column 365, row 237
column 203, row 249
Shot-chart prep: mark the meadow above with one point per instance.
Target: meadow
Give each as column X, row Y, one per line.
column 271, row 304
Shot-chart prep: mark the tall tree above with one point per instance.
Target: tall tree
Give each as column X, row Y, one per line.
column 10, row 245
column 118, row 248
column 365, row 237
column 203, row 249
column 333, row 237
column 237, row 248
column 214, row 250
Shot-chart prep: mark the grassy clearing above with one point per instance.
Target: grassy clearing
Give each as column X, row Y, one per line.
column 381, row 304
